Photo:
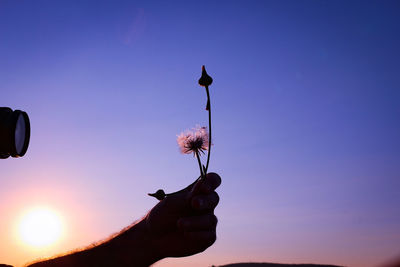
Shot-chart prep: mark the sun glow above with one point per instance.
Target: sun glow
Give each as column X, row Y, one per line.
column 40, row 227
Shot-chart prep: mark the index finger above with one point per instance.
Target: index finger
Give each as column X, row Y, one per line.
column 206, row 185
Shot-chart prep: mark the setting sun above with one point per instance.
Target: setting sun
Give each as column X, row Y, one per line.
column 40, row 227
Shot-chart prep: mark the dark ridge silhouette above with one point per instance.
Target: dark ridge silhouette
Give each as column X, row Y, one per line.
column 266, row 264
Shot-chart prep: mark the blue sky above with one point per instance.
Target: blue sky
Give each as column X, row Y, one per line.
column 305, row 113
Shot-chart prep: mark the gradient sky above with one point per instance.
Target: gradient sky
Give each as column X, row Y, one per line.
column 306, row 106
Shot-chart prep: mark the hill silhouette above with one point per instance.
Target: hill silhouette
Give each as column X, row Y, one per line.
column 266, row 264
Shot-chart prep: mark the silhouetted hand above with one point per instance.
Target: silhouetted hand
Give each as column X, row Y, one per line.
column 184, row 224
column 180, row 225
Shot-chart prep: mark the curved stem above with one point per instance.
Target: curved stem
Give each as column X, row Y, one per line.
column 209, row 127
column 198, row 160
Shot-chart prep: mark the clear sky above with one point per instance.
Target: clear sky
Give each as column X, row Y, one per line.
column 306, row 105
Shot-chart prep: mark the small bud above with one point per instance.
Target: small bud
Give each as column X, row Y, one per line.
column 205, row 79
column 160, row 194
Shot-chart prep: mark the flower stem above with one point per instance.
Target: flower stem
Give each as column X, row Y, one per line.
column 198, row 160
column 209, row 127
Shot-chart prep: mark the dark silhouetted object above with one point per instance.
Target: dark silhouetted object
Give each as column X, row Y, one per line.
column 15, row 132
column 205, row 79
column 160, row 194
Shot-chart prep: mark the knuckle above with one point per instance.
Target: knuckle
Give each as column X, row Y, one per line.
column 216, row 198
column 217, row 178
column 213, row 220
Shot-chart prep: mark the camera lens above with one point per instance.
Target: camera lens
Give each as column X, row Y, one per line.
column 14, row 133
column 20, row 134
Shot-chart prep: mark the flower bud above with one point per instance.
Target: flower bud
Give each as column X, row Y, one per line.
column 205, row 79
column 160, row 194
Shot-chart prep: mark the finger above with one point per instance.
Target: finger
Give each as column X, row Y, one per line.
column 182, row 199
column 202, row 239
column 206, row 185
column 205, row 202
column 198, row 223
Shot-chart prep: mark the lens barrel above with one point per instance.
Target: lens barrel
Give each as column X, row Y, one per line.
column 14, row 133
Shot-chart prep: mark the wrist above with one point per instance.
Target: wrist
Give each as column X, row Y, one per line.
column 142, row 232
column 133, row 247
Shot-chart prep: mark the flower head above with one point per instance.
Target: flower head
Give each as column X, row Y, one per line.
column 193, row 141
column 205, row 79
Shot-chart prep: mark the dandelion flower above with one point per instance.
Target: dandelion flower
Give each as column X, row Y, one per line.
column 193, row 141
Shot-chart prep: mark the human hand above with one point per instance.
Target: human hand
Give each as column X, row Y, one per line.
column 184, row 223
